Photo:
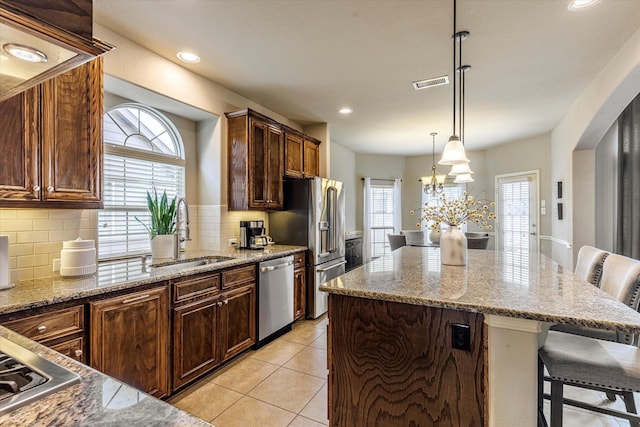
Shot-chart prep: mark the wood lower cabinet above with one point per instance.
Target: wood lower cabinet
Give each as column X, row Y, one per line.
column 196, row 340
column 51, row 142
column 130, row 339
column 238, row 320
column 61, row 330
column 299, row 286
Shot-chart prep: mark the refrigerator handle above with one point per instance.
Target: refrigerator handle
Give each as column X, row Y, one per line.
column 332, row 201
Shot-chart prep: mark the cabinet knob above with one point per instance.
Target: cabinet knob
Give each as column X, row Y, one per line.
column 42, row 328
column 226, row 301
column 220, row 304
column 49, row 189
column 78, row 353
column 36, row 188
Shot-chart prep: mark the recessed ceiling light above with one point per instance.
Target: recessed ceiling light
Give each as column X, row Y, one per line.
column 345, row 110
column 189, row 57
column 24, row 53
column 581, row 4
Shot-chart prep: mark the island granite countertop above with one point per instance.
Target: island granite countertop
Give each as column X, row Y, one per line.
column 528, row 286
column 125, row 274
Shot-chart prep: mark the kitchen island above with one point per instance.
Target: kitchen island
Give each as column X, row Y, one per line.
column 394, row 323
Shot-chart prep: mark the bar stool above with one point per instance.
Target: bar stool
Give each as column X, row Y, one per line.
column 396, row 241
column 590, row 363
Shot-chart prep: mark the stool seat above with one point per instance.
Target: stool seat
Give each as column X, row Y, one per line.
column 584, row 360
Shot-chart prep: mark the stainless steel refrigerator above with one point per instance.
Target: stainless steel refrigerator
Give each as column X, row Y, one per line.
column 313, row 216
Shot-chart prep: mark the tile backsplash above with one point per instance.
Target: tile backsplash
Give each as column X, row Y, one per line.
column 36, row 235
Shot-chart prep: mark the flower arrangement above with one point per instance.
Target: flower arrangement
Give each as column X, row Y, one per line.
column 460, row 211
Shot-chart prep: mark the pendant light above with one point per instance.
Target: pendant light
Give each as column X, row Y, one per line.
column 462, row 171
column 433, row 184
column 454, row 152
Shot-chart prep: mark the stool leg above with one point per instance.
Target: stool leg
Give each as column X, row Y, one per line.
column 556, row 403
column 630, row 404
column 542, row 421
column 611, row 396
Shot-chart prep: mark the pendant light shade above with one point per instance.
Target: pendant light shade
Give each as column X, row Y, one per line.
column 463, row 179
column 453, row 153
column 460, row 169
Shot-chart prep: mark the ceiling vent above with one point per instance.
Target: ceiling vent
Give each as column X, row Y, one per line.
column 437, row 81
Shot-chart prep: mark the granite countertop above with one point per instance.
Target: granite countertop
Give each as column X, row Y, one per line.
column 529, row 286
column 125, row 274
column 97, row 400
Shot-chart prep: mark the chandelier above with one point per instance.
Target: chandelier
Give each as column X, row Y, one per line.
column 454, row 153
column 433, row 184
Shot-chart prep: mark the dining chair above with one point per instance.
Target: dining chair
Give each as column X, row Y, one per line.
column 396, row 241
column 591, row 363
column 477, row 240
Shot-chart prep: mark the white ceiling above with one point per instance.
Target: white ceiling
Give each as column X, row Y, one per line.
column 305, row 59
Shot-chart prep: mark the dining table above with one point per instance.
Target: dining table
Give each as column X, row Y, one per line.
column 519, row 296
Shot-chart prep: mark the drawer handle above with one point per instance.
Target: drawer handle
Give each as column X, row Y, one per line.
column 78, row 353
column 220, row 304
column 42, row 328
column 141, row 297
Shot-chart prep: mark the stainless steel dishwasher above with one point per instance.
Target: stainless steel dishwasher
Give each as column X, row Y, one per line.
column 275, row 298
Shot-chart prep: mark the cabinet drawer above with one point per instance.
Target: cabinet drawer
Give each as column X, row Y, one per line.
column 238, row 276
column 298, row 260
column 72, row 348
column 192, row 287
column 48, row 326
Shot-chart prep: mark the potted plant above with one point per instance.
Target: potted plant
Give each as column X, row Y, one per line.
column 162, row 231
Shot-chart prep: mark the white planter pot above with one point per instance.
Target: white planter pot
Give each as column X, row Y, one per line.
column 162, row 246
column 453, row 247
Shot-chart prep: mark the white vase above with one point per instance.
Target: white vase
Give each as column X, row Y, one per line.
column 162, row 246
column 434, row 236
column 453, row 247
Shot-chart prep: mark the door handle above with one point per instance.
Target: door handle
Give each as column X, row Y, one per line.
column 276, row 267
column 338, row 264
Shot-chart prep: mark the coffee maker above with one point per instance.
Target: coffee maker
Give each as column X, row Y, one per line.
column 252, row 235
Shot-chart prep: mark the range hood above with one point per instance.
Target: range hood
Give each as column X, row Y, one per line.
column 32, row 52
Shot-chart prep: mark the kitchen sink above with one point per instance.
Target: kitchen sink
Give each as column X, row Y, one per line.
column 188, row 263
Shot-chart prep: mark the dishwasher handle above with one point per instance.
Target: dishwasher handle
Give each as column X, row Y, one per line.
column 275, row 267
column 331, row 267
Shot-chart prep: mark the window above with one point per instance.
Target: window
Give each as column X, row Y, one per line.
column 381, row 214
column 143, row 152
column 451, row 192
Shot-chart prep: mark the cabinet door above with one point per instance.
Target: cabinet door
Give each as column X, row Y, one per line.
column 72, row 108
column 196, row 341
column 293, row 155
column 299, row 285
column 19, row 163
column 238, row 320
column 275, row 169
column 311, row 159
column 258, row 163
column 129, row 339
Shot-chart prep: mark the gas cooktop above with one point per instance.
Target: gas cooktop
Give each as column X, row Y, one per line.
column 26, row 376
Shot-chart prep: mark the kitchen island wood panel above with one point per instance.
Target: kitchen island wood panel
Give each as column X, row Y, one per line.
column 393, row 364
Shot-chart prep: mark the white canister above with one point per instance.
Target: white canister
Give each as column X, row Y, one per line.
column 78, row 257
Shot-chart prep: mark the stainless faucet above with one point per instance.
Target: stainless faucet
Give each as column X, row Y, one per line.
column 179, row 239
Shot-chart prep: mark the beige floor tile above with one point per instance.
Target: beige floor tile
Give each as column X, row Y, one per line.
column 207, row 401
column 320, row 342
column 288, row 389
column 248, row 412
column 316, row 409
column 311, row 360
column 301, row 421
column 278, row 352
column 245, row 375
column 305, row 334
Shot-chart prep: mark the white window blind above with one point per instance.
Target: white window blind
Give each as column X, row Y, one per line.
column 514, row 218
column 381, row 218
column 133, row 165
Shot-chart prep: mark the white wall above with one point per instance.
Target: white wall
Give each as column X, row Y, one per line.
column 584, row 125
column 584, row 196
column 606, row 190
column 343, row 166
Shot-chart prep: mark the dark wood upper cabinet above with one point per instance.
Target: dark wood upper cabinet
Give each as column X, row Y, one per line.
column 65, row 32
column 301, row 156
column 19, row 143
column 255, row 162
column 52, row 142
